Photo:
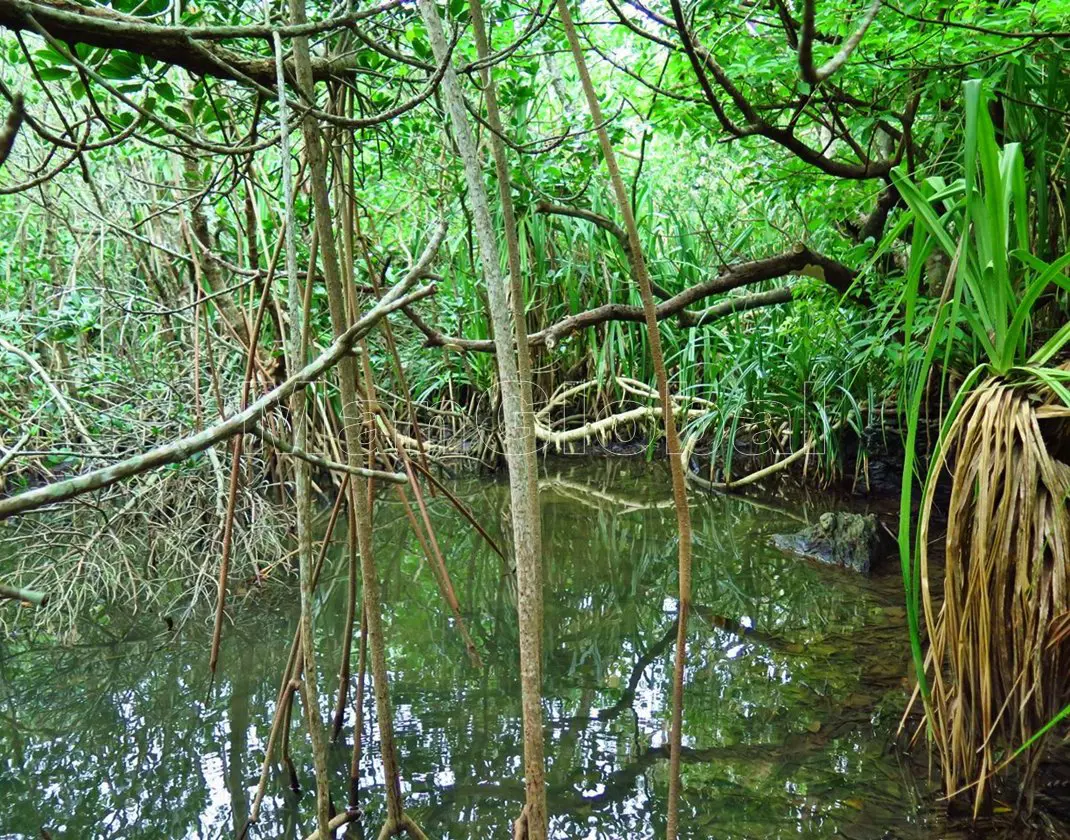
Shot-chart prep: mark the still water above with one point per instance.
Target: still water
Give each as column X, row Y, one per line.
column 795, row 683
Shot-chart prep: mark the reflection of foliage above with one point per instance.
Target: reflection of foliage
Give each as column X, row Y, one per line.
column 119, row 740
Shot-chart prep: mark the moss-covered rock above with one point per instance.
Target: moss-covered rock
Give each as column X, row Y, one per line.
column 848, row 540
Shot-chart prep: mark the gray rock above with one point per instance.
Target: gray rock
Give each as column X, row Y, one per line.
column 847, row 540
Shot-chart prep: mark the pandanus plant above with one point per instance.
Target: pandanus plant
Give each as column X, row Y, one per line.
column 995, row 678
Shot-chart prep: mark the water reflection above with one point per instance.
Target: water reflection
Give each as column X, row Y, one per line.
column 794, row 683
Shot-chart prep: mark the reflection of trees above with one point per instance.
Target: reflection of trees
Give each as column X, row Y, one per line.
column 120, row 740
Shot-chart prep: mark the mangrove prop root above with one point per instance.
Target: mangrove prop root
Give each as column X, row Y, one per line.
column 224, row 560
column 429, row 543
column 750, row 478
column 393, row 827
column 352, row 425
column 235, row 468
column 298, row 343
column 358, row 716
column 186, row 447
column 335, row 823
column 281, row 715
column 351, row 606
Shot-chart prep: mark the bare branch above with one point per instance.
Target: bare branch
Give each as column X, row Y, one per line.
column 35, row 366
column 806, row 44
column 800, row 260
column 702, row 61
column 172, row 453
column 74, row 23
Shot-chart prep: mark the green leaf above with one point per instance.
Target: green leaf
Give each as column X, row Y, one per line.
column 121, row 65
column 1044, row 730
column 52, row 74
column 164, row 90
column 177, row 114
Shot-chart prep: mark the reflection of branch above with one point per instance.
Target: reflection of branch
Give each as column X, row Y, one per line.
column 627, row 697
column 11, row 127
column 590, row 496
column 620, row 783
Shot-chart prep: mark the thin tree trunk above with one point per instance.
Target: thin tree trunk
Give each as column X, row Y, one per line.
column 672, row 439
column 298, row 332
column 352, row 421
column 515, row 379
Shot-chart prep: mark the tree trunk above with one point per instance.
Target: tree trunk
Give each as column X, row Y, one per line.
column 298, row 403
column 352, row 417
column 515, row 380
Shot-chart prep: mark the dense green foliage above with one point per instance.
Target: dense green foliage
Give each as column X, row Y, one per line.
column 82, row 288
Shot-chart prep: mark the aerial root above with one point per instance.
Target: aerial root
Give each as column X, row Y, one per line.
column 393, row 827
column 336, row 822
column 520, row 826
column 750, row 478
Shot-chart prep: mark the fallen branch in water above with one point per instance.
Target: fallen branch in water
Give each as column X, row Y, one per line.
column 180, row 450
column 750, row 478
column 600, row 428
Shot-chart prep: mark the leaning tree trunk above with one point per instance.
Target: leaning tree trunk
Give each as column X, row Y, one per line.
column 519, row 435
column 672, row 439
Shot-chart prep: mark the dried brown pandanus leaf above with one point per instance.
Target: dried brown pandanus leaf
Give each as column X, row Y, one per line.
column 1000, row 639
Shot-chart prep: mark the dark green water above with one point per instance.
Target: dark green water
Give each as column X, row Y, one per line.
column 794, row 688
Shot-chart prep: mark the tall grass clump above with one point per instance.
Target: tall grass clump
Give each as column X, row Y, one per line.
column 996, row 674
